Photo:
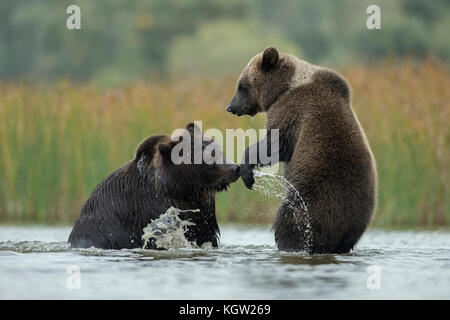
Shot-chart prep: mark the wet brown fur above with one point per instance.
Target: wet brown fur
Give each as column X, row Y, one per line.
column 326, row 154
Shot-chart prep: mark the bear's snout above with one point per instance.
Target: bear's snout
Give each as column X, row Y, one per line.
column 236, row 170
column 236, row 110
column 230, row 109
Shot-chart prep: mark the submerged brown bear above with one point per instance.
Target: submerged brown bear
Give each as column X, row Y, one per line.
column 146, row 187
column 326, row 154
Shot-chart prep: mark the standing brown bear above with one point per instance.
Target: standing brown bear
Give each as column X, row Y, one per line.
column 143, row 189
column 322, row 144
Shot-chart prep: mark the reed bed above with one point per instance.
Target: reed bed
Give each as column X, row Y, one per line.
column 58, row 141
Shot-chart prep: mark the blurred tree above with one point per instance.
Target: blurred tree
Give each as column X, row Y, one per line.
column 303, row 22
column 415, row 29
column 429, row 12
column 170, row 19
column 223, row 47
column 123, row 40
column 397, row 39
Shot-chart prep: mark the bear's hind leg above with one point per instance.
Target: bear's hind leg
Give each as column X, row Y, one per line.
column 347, row 243
column 291, row 229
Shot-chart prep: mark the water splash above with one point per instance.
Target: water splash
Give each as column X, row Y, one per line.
column 275, row 185
column 168, row 231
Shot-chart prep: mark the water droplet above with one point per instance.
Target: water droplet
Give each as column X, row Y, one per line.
column 275, row 185
column 168, row 231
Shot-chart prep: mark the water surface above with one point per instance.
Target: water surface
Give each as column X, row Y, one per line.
column 411, row 264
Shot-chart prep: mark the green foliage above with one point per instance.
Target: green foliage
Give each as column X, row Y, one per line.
column 170, row 19
column 122, row 41
column 223, row 46
column 57, row 143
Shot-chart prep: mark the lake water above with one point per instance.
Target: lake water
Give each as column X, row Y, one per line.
column 34, row 262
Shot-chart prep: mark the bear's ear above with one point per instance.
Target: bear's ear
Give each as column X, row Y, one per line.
column 165, row 149
column 147, row 147
column 269, row 58
column 193, row 128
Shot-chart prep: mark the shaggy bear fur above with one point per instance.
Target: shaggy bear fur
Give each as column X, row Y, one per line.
column 325, row 151
column 144, row 188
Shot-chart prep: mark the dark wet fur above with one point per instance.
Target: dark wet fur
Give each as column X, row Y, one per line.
column 132, row 196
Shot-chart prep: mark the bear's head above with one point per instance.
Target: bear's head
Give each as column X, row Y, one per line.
column 265, row 78
column 189, row 166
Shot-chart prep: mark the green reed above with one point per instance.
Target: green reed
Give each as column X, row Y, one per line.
column 57, row 142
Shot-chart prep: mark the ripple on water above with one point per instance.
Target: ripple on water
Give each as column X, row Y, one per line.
column 246, row 266
column 33, row 246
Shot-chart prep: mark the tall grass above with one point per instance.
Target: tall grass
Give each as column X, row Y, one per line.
column 57, row 142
